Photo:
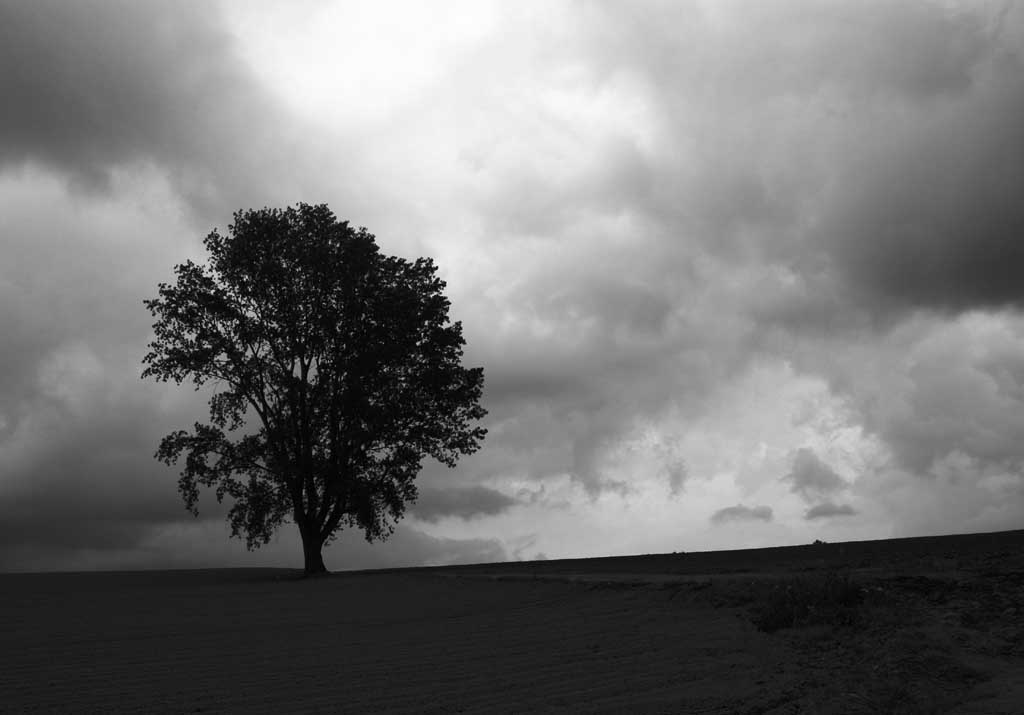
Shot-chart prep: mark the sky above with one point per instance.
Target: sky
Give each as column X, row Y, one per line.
column 739, row 274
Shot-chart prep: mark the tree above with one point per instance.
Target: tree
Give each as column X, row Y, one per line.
column 335, row 371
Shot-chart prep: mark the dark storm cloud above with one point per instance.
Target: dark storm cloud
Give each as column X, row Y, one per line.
column 85, row 485
column 434, row 504
column 70, row 300
column 741, row 512
column 827, row 510
column 932, row 216
column 874, row 148
column 78, row 482
column 146, row 112
column 95, row 85
column 76, row 467
column 926, row 152
column 811, row 478
column 24, row 343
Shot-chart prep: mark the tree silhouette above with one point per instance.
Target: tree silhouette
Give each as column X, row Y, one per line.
column 335, row 369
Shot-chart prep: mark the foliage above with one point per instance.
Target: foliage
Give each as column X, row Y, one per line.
column 336, row 372
column 831, row 598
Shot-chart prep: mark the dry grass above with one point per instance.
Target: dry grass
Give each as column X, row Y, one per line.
column 829, row 598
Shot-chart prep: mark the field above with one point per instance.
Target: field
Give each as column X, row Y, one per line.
column 910, row 625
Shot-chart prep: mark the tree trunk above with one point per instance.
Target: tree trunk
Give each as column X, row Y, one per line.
column 311, row 550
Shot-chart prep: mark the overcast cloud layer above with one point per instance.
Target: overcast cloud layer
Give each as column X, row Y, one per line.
column 739, row 274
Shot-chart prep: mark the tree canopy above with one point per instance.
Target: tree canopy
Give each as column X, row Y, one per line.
column 336, row 372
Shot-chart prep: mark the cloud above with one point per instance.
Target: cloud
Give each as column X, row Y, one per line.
column 780, row 225
column 879, row 178
column 677, row 474
column 71, row 306
column 573, row 367
column 811, row 478
column 962, row 390
column 741, row 513
column 204, row 543
column 934, row 385
column 77, row 474
column 827, row 510
column 959, row 494
column 126, row 124
column 927, row 217
column 915, row 150
column 411, row 547
column 434, row 504
column 91, row 87
column 675, row 219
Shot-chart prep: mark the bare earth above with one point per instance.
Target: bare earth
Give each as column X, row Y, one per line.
column 940, row 629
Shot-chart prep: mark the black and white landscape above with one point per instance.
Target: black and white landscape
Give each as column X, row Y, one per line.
column 739, row 275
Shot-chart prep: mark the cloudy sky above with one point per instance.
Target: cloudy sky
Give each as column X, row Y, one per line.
column 739, row 274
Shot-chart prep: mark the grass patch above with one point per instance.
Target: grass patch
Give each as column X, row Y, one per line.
column 823, row 599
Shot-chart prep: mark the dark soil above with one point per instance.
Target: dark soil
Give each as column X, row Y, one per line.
column 913, row 626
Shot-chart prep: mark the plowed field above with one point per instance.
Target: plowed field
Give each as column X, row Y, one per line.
column 938, row 627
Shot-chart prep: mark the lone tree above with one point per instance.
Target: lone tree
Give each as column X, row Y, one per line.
column 336, row 372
